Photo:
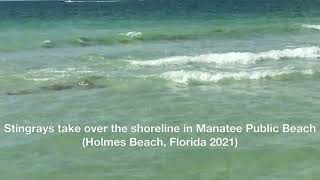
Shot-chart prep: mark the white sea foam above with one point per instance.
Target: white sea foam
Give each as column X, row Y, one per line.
column 132, row 34
column 311, row 26
column 186, row 76
column 49, row 74
column 234, row 57
column 38, row 79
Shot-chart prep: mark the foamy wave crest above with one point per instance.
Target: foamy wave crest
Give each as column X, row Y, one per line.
column 311, row 26
column 49, row 74
column 206, row 77
column 132, row 34
column 234, row 57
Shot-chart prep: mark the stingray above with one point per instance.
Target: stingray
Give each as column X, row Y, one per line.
column 83, row 84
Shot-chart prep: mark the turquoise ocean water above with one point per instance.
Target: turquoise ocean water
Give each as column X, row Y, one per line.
column 151, row 62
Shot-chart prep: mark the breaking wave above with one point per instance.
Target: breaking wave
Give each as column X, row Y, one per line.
column 185, row 77
column 311, row 26
column 132, row 34
column 234, row 57
column 49, row 74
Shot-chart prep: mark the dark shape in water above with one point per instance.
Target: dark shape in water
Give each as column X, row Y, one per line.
column 84, row 84
column 15, row 93
column 57, row 87
column 87, row 84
